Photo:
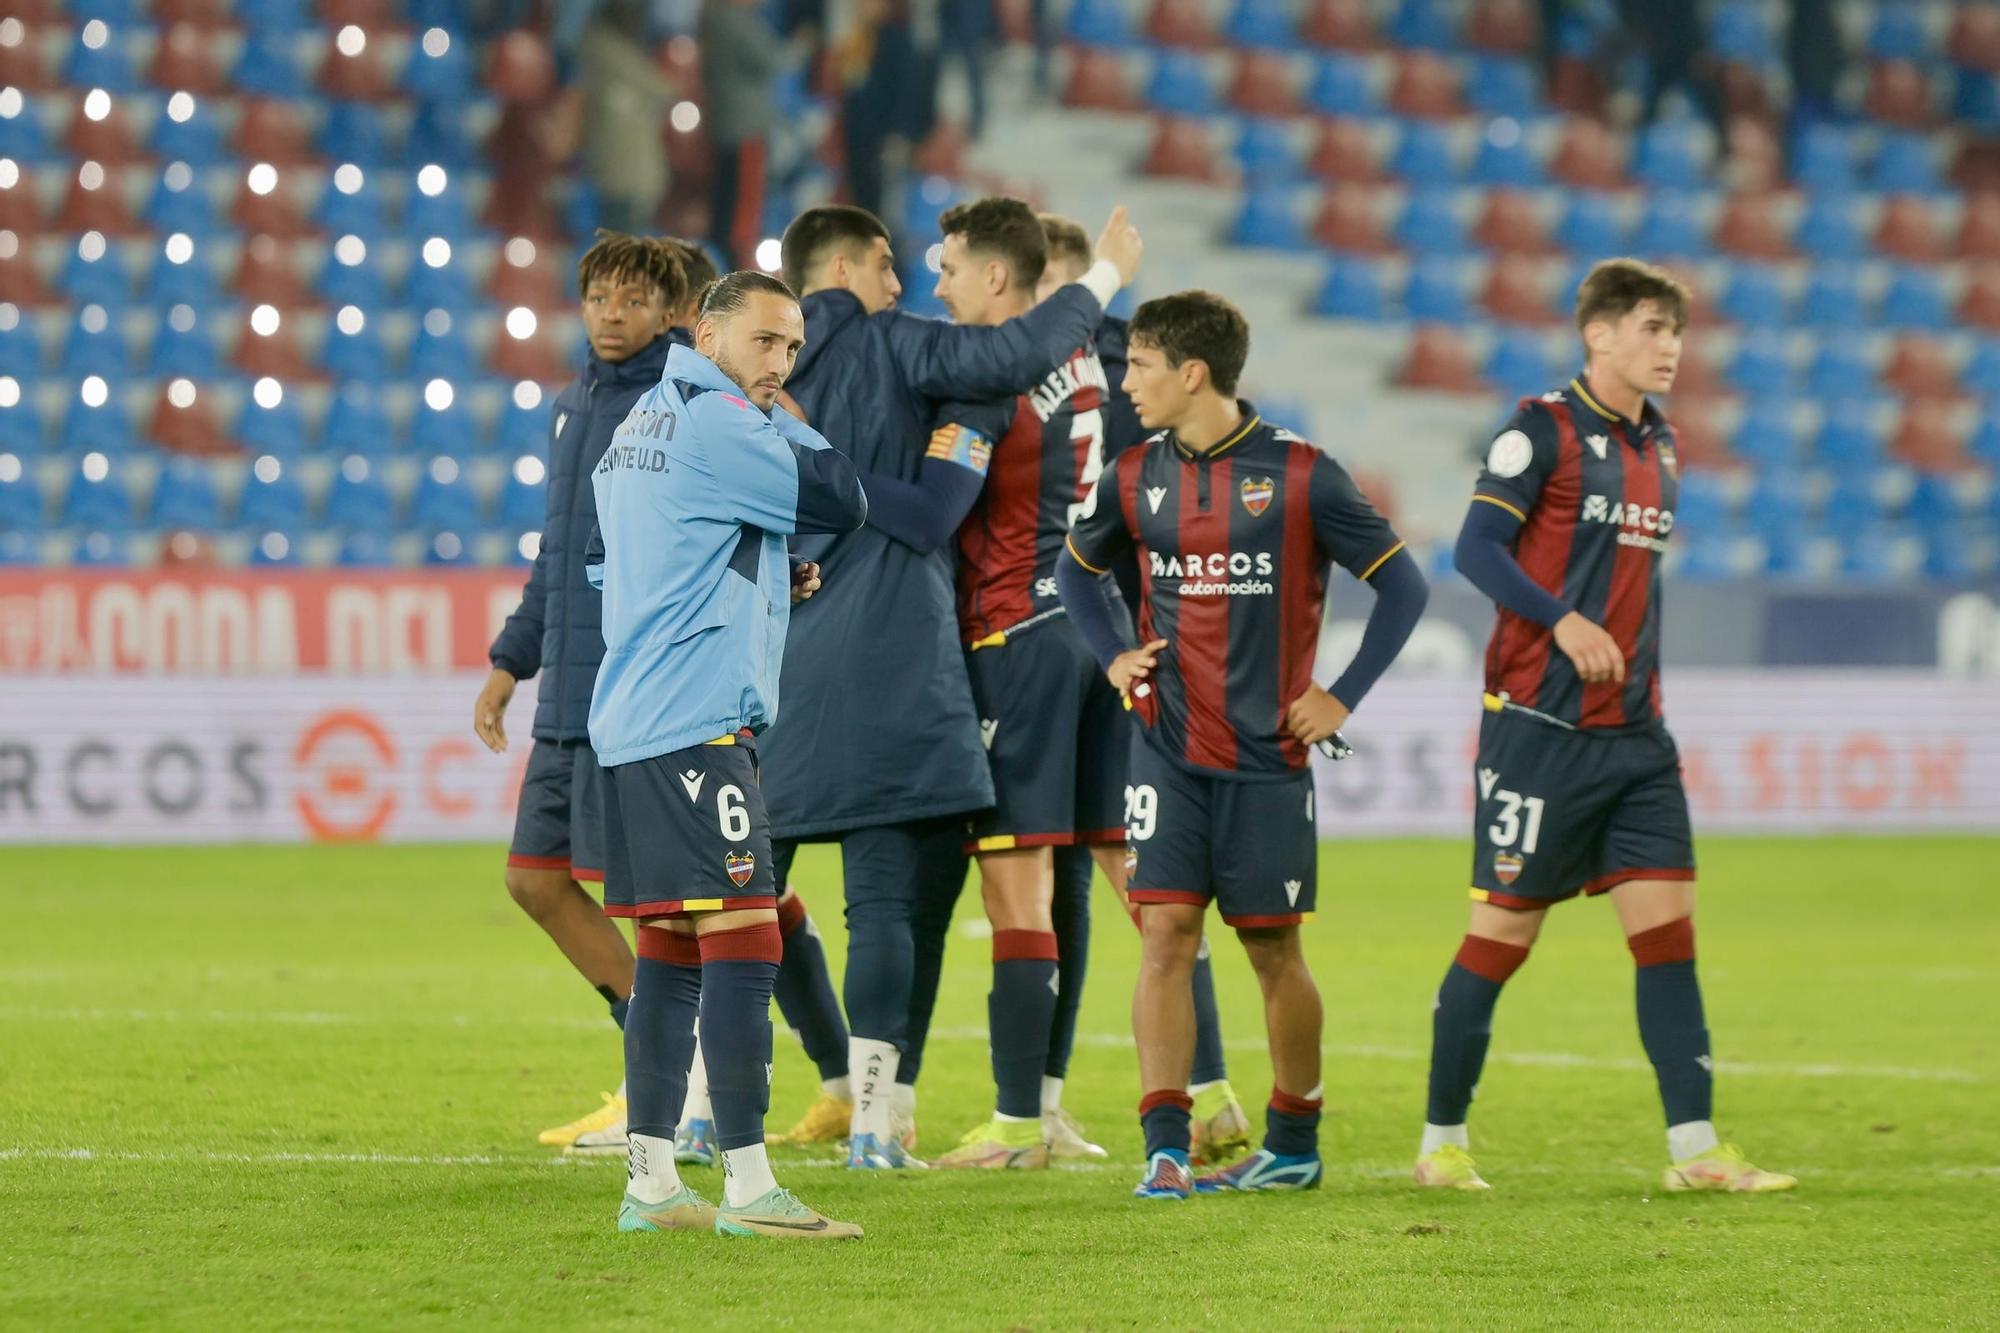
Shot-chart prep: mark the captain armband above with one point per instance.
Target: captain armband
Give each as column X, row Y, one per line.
column 961, row 445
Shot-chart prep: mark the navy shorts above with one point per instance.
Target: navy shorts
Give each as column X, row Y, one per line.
column 559, row 824
column 1252, row 847
column 1558, row 813
column 686, row 832
column 1056, row 740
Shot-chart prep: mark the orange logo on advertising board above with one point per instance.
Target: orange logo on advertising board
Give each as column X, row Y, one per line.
column 344, row 761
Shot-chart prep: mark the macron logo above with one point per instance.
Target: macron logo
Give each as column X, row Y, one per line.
column 1292, row 888
column 1598, row 444
column 1488, row 779
column 987, row 726
column 691, row 783
column 1155, row 494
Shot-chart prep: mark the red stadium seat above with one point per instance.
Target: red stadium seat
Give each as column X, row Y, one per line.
column 520, row 68
column 20, row 282
column 1345, row 152
column 206, row 14
column 1975, row 167
column 1439, row 359
column 22, row 66
column 1588, row 157
column 1909, row 230
column 1426, row 85
column 373, row 15
column 518, row 205
column 1503, row 27
column 183, row 60
column 1518, row 293
column 1350, row 219
column 192, row 429
column 1262, row 85
column 94, row 202
column 274, row 214
column 535, row 284
column 1182, row 23
column 1098, row 81
column 1182, row 151
column 680, row 61
column 1380, row 489
column 1578, row 87
column 1751, row 226
column 1756, row 159
column 1746, row 94
column 533, row 358
column 1698, row 376
column 186, row 550
column 1698, row 442
column 21, row 205
column 267, row 273
column 108, row 140
column 274, row 354
column 942, row 153
column 1511, row 223
column 1922, row 367
column 271, row 131
column 1928, row 437
column 1979, row 227
column 1017, row 22
column 1898, row 93
column 1340, row 25
column 360, row 75
column 1979, row 306
column 1975, row 37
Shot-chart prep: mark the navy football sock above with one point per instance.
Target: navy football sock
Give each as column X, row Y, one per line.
column 1163, row 1116
column 738, row 968
column 1462, row 1023
column 804, row 991
column 1209, row 1064
column 1071, row 911
column 659, row 1030
column 1019, row 1010
column 1291, row 1125
column 1671, row 1022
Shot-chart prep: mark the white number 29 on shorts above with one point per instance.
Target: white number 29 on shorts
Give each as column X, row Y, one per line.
column 1142, row 809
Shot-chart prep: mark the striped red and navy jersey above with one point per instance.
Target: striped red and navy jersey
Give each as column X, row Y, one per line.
column 1048, row 449
column 1233, row 547
column 1595, row 494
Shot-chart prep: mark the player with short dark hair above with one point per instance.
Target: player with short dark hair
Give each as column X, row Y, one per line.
column 629, row 288
column 695, row 497
column 1577, row 784
column 1234, row 522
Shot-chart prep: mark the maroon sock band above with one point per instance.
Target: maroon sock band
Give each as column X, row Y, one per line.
column 665, row 946
column 1012, row 945
column 1290, row 1105
column 1166, row 1097
column 760, row 943
column 1671, row 943
column 791, row 913
column 1490, row 958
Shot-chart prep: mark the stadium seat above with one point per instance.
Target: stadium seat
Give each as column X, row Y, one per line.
column 1915, row 300
column 444, row 499
column 1520, row 366
column 351, row 204
column 531, row 357
column 1184, row 23
column 1979, row 303
column 442, row 350
column 1517, row 292
column 1425, row 84
column 524, row 422
column 1179, row 85
column 1269, row 220
column 20, row 349
column 1944, row 500
column 1097, row 81
column 93, row 202
column 358, row 500
column 1921, row 367
column 353, row 132
column 439, row 68
column 1672, row 155
column 448, row 428
column 1975, row 99
column 182, row 346
column 92, row 273
column 1823, row 159
column 1974, row 38
column 20, row 426
column 267, row 65
column 1265, row 155
column 1856, row 501
column 1730, row 552
column 1424, row 155
column 1844, row 364
column 1261, row 84
column 1755, row 297
column 97, row 59
column 1260, row 23
column 438, row 135
column 1897, row 32
column 21, row 503
column 99, row 550
column 357, row 422
column 94, row 345
column 184, row 497
column 1424, row 24
column 1181, row 151
column 444, row 213
column 1354, row 289
column 1671, row 227
column 353, row 349
column 1438, row 360
column 1906, row 163
column 21, row 135
column 1099, row 23
column 1511, row 223
column 1928, row 438
column 1833, row 299
column 98, row 495
column 1751, row 226
column 1503, row 86
column 1760, row 367
column 1979, row 227
column 1767, row 433
column 95, row 420
column 272, row 130
column 1344, row 152
column 1588, row 156
column 1436, row 291
column 271, row 423
column 365, row 550
column 1982, row 371
column 1505, row 157
column 178, row 203
column 1883, row 553
column 449, row 549
column 437, row 278
column 347, row 278
column 1783, row 498
column 274, row 549
column 272, row 498
column 524, row 498
column 1339, row 25
column 1962, row 554
column 1898, row 93
column 1847, row 435
column 1349, row 221
column 105, row 137
column 184, row 420
column 183, row 61
column 1739, row 32
column 1908, row 229
column 1429, row 222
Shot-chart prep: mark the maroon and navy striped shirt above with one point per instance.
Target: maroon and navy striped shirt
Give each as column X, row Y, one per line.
column 1047, row 454
column 1233, row 547
column 1595, row 494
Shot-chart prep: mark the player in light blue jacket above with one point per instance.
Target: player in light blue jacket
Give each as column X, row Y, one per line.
column 695, row 497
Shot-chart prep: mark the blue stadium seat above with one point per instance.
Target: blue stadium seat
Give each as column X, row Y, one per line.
column 443, row 74
column 186, row 350
column 185, row 498
column 449, row 548
column 98, row 496
column 1783, row 498
column 274, row 549
column 1855, row 502
column 1671, row 226
column 357, row 422
column 117, row 13
column 195, row 140
column 1755, row 297
column 357, row 284
column 20, row 428
column 1906, row 163
column 22, row 136
column 1098, row 23
column 445, row 213
column 1844, row 365
column 1804, row 552
column 1975, row 99
column 1504, row 86
column 1179, row 85
column 356, row 212
column 353, row 132
column 1672, row 155
column 99, row 550
column 1264, row 152
column 20, row 349
column 523, row 545
column 100, row 426
column 95, row 277
column 1942, row 500
column 1761, row 366
column 271, row 498
column 179, row 203
column 278, row 15
column 444, row 499
column 1436, row 291
column 1269, row 221
column 524, row 425
column 359, row 499
column 1916, row 300
column 1354, row 289
column 1704, row 505
column 1505, row 157
column 1424, row 155
column 1833, row 299
column 1424, row 24
column 357, row 354
column 1731, row 552
column 1823, row 159
column 1739, row 32
column 268, row 65
column 1847, row 435
column 278, row 429
column 524, row 500
column 1831, row 230
column 1969, row 551
column 451, row 430
column 438, row 134
column 1883, row 553
column 106, row 65
column 366, row 550
column 1429, row 223
column 1985, row 444
column 1767, row 434
column 1898, row 32
column 190, row 282
column 95, row 345
column 1340, row 87
column 443, row 351
column 1519, row 364
column 21, row 505
column 1265, row 24
column 1591, row 227
column 454, row 16
column 440, row 287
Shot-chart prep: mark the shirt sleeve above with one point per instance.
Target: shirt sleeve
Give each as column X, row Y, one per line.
column 945, row 361
column 1519, row 461
column 773, row 472
column 1099, row 535
column 1349, row 530
column 517, row 649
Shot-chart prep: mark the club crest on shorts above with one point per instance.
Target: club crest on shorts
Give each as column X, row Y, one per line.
column 1131, row 859
column 1506, row 867
column 1257, row 493
column 740, row 865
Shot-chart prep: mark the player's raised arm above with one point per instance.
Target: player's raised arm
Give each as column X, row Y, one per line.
column 923, row 515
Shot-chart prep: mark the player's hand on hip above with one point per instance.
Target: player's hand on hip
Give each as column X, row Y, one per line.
column 1595, row 653
column 805, row 580
column 489, row 710
column 1130, row 668
column 1315, row 715
column 1119, row 242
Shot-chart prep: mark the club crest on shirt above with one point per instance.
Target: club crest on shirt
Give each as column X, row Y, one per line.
column 740, row 865
column 1506, row 867
column 1668, row 459
column 1257, row 493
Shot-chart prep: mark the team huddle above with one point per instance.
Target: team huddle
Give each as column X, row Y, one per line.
column 1037, row 590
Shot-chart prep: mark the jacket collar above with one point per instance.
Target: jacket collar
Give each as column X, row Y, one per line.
column 642, row 367
column 691, row 367
column 827, row 312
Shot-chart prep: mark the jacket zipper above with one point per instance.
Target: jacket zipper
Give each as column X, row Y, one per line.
column 569, row 591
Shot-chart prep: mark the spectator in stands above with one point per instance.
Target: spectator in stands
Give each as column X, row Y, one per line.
column 615, row 90
column 883, row 86
column 1670, row 31
column 740, row 58
column 966, row 29
column 1814, row 55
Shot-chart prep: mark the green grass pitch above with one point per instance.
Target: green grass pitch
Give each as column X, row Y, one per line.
column 299, row 1087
